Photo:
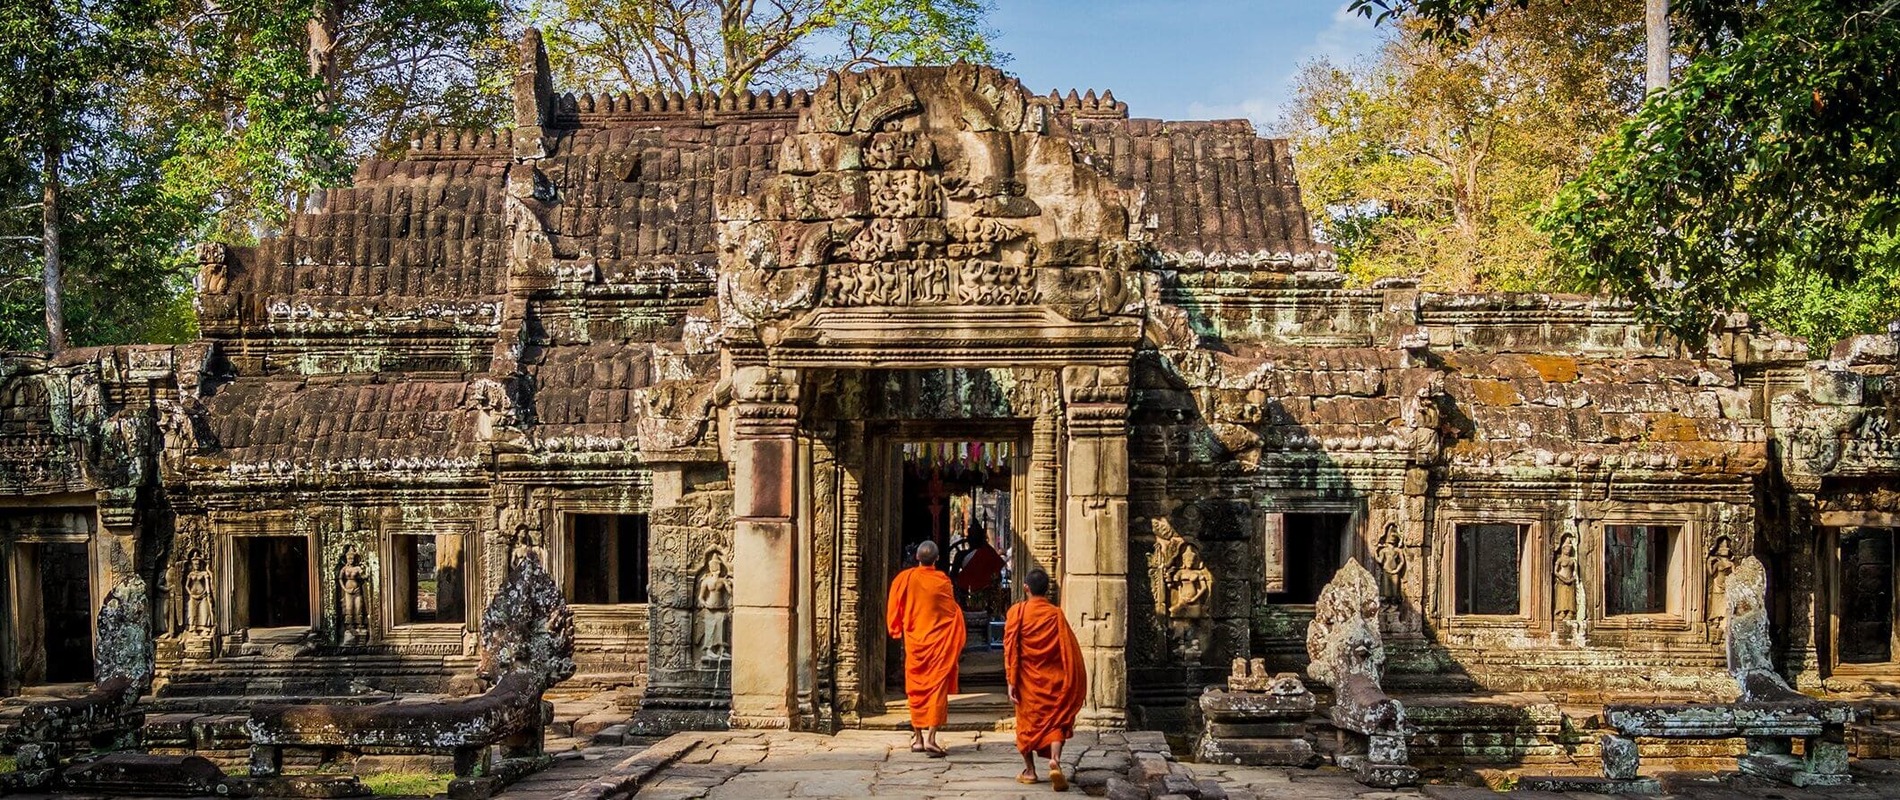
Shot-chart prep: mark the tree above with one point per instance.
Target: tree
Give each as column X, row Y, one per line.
column 1433, row 158
column 277, row 99
column 731, row 45
column 69, row 160
column 1773, row 161
column 1766, row 177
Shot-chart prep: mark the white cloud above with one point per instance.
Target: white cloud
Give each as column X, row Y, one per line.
column 1346, row 37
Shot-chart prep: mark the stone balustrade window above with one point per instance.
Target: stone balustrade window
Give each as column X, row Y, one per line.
column 607, row 559
column 1641, row 569
column 1489, row 559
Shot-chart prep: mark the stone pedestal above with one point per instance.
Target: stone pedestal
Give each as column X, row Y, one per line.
column 1262, row 727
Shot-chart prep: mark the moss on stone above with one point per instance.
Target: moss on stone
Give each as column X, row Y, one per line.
column 407, row 784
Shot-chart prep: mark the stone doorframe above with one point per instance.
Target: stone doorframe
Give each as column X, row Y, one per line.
column 768, row 512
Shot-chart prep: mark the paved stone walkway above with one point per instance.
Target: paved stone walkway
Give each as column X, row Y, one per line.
column 754, row 766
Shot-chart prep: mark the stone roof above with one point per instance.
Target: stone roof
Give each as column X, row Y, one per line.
column 404, row 238
column 337, row 424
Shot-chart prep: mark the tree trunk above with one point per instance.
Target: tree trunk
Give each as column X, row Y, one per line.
column 1656, row 23
column 321, row 31
column 51, row 154
column 326, row 21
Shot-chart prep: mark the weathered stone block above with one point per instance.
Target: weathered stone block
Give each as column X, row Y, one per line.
column 1620, row 757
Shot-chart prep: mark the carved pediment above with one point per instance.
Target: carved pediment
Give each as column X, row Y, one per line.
column 937, row 191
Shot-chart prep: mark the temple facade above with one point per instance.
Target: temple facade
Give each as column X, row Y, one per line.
column 716, row 360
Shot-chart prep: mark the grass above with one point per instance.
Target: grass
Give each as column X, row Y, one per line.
column 407, row 784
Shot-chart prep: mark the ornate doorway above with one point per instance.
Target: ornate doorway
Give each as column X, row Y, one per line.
column 966, row 486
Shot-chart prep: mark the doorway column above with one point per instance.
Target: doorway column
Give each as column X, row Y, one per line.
column 1095, row 535
column 764, row 424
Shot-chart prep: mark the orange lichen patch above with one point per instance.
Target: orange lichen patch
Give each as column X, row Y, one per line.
column 1495, row 393
column 1555, row 369
column 1673, row 428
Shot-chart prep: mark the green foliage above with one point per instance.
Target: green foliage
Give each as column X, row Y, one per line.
column 70, row 63
column 407, row 784
column 1809, row 304
column 190, row 120
column 1772, row 164
column 1433, row 160
column 275, row 100
column 1767, row 177
column 732, row 45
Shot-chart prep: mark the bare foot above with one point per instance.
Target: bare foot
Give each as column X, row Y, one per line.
column 1027, row 776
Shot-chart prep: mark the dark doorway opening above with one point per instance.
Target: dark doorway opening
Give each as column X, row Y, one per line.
column 65, row 595
column 274, row 573
column 1866, row 596
column 1316, row 547
column 608, row 559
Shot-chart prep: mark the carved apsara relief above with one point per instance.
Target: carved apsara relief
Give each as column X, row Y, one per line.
column 1183, row 590
column 713, row 617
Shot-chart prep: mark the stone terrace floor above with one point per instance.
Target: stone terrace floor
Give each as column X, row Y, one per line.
column 755, row 765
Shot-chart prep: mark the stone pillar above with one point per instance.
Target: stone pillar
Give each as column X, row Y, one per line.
column 1095, row 535
column 765, row 419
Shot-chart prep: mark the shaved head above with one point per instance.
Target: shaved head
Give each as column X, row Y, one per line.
column 1037, row 582
column 927, row 553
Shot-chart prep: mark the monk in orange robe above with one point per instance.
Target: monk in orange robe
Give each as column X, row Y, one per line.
column 922, row 612
column 1047, row 682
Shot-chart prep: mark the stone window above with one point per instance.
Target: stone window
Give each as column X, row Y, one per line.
column 1864, row 633
column 430, row 579
column 607, row 559
column 271, row 582
column 1640, row 569
column 1312, row 548
column 1488, row 569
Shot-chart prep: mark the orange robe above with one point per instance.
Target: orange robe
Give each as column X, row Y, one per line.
column 923, row 612
column 1042, row 659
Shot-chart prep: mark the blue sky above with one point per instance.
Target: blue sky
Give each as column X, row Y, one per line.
column 1177, row 59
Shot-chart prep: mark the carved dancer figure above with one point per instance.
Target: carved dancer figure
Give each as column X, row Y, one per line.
column 1391, row 555
column 1565, row 570
column 198, row 616
column 351, row 578
column 1042, row 661
column 715, row 611
column 922, row 611
column 528, row 545
column 1188, row 585
column 1721, row 564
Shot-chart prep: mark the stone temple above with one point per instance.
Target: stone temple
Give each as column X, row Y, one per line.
column 717, row 361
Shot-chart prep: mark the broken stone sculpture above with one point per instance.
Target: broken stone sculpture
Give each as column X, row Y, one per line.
column 1770, row 716
column 1348, row 654
column 527, row 647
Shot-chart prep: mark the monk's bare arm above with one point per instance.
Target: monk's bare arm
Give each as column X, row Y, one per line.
column 1012, row 649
